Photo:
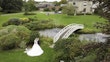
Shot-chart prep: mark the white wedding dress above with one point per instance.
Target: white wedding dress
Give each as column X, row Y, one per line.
column 35, row 50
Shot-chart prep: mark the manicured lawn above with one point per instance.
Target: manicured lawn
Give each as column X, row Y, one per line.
column 87, row 20
column 19, row 56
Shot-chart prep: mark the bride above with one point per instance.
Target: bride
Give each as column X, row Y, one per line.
column 35, row 50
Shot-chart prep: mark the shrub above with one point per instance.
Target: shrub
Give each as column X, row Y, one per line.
column 46, row 41
column 88, row 58
column 60, row 26
column 17, row 36
column 67, row 49
column 19, row 21
column 69, row 10
column 8, row 41
column 86, row 31
column 33, row 35
column 46, row 9
column 24, row 20
column 40, row 25
column 12, row 21
column 29, row 13
column 33, row 19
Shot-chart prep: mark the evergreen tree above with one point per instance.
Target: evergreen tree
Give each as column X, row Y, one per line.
column 104, row 11
column 11, row 5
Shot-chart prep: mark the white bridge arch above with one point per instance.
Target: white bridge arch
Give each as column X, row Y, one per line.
column 67, row 31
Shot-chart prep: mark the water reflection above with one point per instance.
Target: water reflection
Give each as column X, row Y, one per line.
column 49, row 32
column 98, row 37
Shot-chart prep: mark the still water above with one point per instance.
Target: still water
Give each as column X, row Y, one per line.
column 98, row 37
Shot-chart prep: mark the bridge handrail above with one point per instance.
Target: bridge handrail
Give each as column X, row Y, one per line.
column 62, row 31
column 70, row 31
column 70, row 28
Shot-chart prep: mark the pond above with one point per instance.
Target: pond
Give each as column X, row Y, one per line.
column 98, row 37
column 49, row 32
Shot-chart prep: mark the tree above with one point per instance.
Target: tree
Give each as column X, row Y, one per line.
column 56, row 3
column 69, row 10
column 63, row 2
column 9, row 6
column 0, row 9
column 104, row 11
column 29, row 6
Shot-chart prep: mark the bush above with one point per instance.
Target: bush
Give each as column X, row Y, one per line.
column 69, row 10
column 60, row 26
column 46, row 9
column 40, row 25
column 8, row 41
column 19, row 21
column 24, row 20
column 33, row 35
column 86, row 31
column 12, row 21
column 16, row 36
column 33, row 19
column 88, row 58
column 67, row 49
column 46, row 41
column 29, row 13
column 83, row 13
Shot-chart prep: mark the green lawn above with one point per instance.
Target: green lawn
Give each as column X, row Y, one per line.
column 19, row 56
column 87, row 20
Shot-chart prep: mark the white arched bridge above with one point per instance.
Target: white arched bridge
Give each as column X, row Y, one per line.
column 67, row 31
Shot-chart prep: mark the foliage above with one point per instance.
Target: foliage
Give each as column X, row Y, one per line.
column 14, row 37
column 101, row 50
column 29, row 13
column 24, row 20
column 86, row 31
column 0, row 9
column 46, row 41
column 104, row 8
column 8, row 41
column 46, row 9
column 12, row 21
column 67, row 49
column 10, row 6
column 56, row 3
column 29, row 6
column 19, row 21
column 88, row 58
column 33, row 18
column 33, row 35
column 104, row 11
column 69, row 10
column 39, row 25
column 105, row 27
column 63, row 2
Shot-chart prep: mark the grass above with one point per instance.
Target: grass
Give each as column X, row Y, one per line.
column 87, row 20
column 19, row 56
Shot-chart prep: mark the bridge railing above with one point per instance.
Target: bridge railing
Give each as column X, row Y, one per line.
column 57, row 36
column 70, row 29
